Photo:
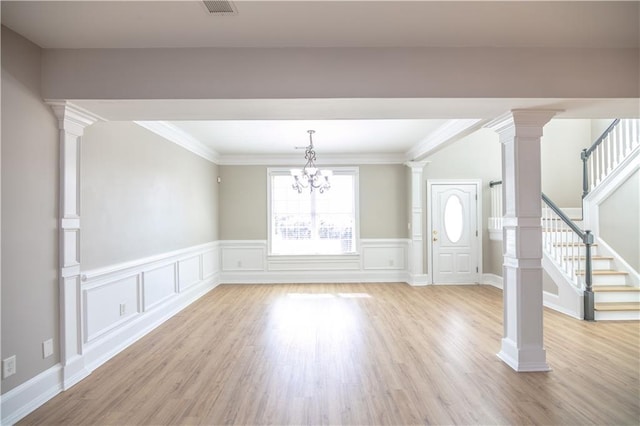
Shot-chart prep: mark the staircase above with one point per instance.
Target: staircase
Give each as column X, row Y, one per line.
column 614, row 297
column 593, row 281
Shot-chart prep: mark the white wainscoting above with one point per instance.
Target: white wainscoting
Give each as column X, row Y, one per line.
column 378, row 260
column 124, row 302
column 120, row 304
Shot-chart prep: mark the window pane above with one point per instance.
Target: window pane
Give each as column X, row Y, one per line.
column 311, row 222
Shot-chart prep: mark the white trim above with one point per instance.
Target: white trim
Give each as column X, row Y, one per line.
column 479, row 227
column 448, row 132
column 114, row 337
column 418, row 280
column 495, row 234
column 313, row 277
column 105, row 347
column 492, row 280
column 24, row 399
column 178, row 136
column 553, row 301
column 379, row 260
column 353, row 171
column 612, row 181
column 150, row 262
column 295, row 160
column 622, row 265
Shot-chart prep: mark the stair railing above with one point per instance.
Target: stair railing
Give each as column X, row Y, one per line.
column 609, row 150
column 564, row 241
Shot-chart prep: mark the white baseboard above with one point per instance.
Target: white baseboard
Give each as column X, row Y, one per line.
column 418, row 280
column 378, row 260
column 186, row 275
column 310, row 277
column 22, row 400
column 96, row 354
column 552, row 301
column 492, row 280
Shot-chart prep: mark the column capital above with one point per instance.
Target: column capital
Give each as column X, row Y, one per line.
column 521, row 122
column 72, row 118
column 416, row 165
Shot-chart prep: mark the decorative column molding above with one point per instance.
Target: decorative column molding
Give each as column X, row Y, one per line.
column 417, row 275
column 71, row 122
column 520, row 132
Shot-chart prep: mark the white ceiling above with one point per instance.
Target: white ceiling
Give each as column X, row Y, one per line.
column 127, row 24
column 344, row 126
column 331, row 137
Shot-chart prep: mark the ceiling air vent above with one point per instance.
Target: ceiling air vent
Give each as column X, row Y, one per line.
column 221, row 8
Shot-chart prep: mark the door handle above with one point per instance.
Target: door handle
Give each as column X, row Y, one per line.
column 435, row 238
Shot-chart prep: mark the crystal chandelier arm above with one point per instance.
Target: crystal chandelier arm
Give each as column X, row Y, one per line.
column 311, row 177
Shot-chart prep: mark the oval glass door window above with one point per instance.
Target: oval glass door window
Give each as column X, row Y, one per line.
column 453, row 218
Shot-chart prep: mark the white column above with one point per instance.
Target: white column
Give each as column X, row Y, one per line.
column 417, row 275
column 71, row 122
column 522, row 344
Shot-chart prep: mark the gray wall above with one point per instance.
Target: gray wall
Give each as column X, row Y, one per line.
column 29, row 213
column 620, row 221
column 561, row 145
column 476, row 156
column 142, row 195
column 243, row 202
column 320, row 73
column 383, row 201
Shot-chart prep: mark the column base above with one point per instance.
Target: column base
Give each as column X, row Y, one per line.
column 525, row 359
column 74, row 371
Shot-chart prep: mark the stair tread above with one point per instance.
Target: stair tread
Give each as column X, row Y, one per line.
column 573, row 244
column 603, row 272
column 617, row 306
column 615, row 288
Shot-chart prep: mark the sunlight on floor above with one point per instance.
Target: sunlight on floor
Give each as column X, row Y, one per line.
column 328, row 295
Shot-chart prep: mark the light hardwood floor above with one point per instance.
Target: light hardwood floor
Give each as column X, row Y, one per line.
column 364, row 354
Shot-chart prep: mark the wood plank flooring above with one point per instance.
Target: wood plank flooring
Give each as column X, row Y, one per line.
column 360, row 354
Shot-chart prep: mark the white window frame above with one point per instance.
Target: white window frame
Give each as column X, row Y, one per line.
column 352, row 171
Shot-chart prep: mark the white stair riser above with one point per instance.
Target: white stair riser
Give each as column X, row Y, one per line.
column 601, row 264
column 617, row 296
column 617, row 315
column 608, row 279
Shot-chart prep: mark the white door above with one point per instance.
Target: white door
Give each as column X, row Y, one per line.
column 454, row 233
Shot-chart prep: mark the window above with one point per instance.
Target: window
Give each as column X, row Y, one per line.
column 311, row 222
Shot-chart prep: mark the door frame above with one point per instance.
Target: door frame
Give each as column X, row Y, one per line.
column 428, row 205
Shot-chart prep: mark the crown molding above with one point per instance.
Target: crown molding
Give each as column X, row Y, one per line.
column 449, row 131
column 297, row 160
column 182, row 138
column 521, row 122
column 72, row 118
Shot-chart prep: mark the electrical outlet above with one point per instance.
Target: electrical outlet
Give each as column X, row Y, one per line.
column 123, row 309
column 47, row 348
column 8, row 366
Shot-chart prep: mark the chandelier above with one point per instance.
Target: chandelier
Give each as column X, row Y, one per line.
column 310, row 176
